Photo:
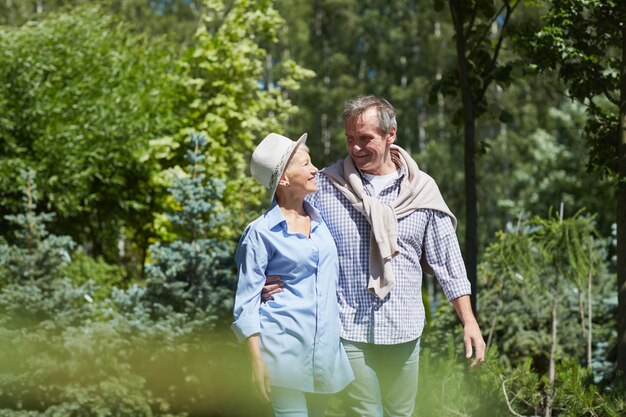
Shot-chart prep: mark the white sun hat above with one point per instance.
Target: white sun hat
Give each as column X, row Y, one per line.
column 271, row 157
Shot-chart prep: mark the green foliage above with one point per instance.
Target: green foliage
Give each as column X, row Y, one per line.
column 80, row 99
column 393, row 49
column 29, row 293
column 230, row 103
column 102, row 111
column 518, row 276
column 93, row 272
column 447, row 387
column 35, row 306
column 483, row 28
column 538, row 162
column 580, row 40
column 525, row 264
column 35, row 254
column 69, row 346
column 522, row 388
column 79, row 371
column 174, row 18
column 193, row 275
column 565, row 243
column 576, row 394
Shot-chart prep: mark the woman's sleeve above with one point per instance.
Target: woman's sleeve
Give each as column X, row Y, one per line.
column 251, row 260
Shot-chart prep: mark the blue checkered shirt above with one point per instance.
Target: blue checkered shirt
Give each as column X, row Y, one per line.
column 400, row 316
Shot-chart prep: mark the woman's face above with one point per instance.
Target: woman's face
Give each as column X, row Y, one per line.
column 301, row 174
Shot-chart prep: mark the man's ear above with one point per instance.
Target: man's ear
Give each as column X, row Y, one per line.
column 391, row 136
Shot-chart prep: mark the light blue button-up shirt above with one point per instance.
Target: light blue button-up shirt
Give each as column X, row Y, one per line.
column 299, row 329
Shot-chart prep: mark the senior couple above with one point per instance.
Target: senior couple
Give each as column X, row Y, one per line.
column 329, row 293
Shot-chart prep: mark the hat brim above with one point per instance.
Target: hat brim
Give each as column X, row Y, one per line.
column 293, row 151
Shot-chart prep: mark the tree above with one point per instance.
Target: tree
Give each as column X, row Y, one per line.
column 480, row 29
column 562, row 243
column 82, row 103
column 391, row 49
column 584, row 42
column 65, row 350
column 177, row 19
column 193, row 275
column 552, row 262
column 223, row 80
column 35, row 254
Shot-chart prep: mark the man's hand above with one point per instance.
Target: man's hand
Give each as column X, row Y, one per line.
column 272, row 286
column 472, row 337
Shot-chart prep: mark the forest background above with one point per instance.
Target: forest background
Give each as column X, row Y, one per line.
column 126, row 129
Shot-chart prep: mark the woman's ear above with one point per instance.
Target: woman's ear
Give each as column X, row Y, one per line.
column 284, row 181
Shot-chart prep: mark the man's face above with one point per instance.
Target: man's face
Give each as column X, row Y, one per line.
column 367, row 145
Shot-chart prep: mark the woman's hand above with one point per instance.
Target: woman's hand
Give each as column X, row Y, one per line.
column 260, row 379
column 260, row 376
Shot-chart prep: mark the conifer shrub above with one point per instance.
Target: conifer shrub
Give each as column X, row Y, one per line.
column 520, row 274
column 74, row 342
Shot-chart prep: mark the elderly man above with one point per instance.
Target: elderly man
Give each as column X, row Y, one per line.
column 390, row 223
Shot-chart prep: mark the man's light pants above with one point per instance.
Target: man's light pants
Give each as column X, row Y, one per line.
column 385, row 381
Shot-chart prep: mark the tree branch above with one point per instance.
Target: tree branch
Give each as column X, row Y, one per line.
column 496, row 53
column 508, row 402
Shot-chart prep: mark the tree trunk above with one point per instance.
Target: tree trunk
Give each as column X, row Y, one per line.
column 469, row 118
column 621, row 221
column 553, row 346
column 589, row 315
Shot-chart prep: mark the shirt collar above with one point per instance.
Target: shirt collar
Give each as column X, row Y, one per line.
column 316, row 217
column 275, row 215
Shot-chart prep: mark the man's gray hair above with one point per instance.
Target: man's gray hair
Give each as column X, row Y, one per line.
column 386, row 113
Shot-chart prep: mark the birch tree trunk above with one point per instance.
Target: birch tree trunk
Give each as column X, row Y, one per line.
column 553, row 345
column 621, row 220
column 586, row 322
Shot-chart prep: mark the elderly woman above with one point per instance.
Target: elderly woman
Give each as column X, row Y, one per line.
column 293, row 338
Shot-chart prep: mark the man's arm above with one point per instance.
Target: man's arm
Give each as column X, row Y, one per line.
column 272, row 286
column 472, row 337
column 443, row 255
